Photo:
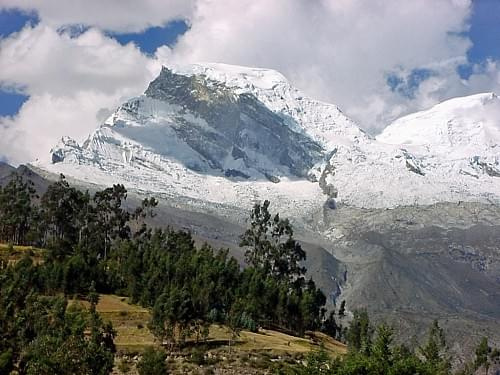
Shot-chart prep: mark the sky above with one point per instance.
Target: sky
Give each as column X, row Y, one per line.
column 66, row 65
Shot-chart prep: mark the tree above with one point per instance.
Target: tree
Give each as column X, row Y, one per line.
column 55, row 341
column 330, row 326
column 482, row 352
column 359, row 334
column 6, row 362
column 112, row 219
column 405, row 362
column 342, row 309
column 141, row 213
column 381, row 349
column 152, row 362
column 318, row 363
column 173, row 316
column 434, row 351
column 273, row 288
column 233, row 322
column 271, row 246
column 63, row 209
column 311, row 306
column 17, row 210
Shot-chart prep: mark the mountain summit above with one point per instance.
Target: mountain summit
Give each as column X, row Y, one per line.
column 221, row 134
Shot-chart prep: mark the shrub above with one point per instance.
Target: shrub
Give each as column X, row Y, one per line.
column 6, row 362
column 153, row 362
column 198, row 357
column 124, row 366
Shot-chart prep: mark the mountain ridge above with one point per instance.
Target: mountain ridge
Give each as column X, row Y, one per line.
column 255, row 136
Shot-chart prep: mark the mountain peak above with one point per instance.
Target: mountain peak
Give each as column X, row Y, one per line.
column 241, row 77
column 470, row 123
column 229, row 135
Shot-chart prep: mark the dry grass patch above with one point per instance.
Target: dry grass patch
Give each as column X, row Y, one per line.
column 13, row 254
column 278, row 342
column 129, row 321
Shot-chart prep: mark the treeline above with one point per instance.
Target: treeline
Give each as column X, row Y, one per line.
column 91, row 241
column 372, row 351
column 64, row 217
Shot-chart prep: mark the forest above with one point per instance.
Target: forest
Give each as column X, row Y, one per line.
column 93, row 245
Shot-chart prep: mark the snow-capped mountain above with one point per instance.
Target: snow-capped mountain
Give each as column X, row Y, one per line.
column 216, row 134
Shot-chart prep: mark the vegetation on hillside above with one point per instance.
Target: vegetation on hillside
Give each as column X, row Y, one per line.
column 93, row 245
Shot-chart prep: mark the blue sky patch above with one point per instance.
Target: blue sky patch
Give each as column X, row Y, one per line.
column 149, row 40
column 484, row 31
column 13, row 20
column 10, row 102
column 484, row 34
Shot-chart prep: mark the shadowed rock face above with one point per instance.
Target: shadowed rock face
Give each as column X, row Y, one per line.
column 6, row 171
column 411, row 265
column 243, row 125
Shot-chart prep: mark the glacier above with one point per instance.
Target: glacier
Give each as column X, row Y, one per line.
column 217, row 135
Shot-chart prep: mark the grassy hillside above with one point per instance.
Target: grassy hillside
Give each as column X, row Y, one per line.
column 250, row 352
column 130, row 322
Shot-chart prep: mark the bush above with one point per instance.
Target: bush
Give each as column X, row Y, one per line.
column 260, row 363
column 152, row 362
column 124, row 366
column 246, row 322
column 6, row 362
column 198, row 357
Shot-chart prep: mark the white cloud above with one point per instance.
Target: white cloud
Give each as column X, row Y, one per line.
column 336, row 50
column 71, row 83
column 43, row 60
column 110, row 15
column 44, row 119
column 339, row 51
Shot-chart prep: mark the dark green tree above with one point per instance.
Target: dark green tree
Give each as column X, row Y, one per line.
column 360, row 332
column 342, row 309
column 434, row 351
column 381, row 352
column 153, row 362
column 17, row 212
column 270, row 244
column 330, row 326
column 112, row 219
column 63, row 209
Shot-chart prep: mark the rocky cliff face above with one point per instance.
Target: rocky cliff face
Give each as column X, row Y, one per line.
column 235, row 134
